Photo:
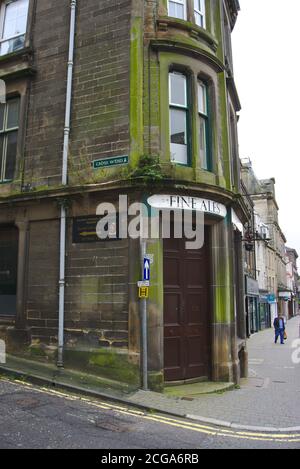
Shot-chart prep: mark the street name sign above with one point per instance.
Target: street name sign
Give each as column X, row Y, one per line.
column 144, row 283
column 109, row 162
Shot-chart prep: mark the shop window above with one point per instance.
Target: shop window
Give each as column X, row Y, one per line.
column 179, row 116
column 13, row 24
column 9, row 125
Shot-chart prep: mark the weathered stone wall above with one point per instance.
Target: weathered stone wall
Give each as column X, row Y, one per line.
column 100, row 117
column 97, row 294
column 100, row 109
column 42, row 281
column 46, row 101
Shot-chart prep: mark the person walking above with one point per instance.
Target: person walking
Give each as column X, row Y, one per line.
column 279, row 326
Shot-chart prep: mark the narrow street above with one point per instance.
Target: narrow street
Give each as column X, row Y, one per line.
column 39, row 417
column 148, row 238
column 33, row 417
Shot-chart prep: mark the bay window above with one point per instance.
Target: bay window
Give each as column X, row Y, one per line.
column 177, row 9
column 179, row 115
column 9, row 125
column 13, row 25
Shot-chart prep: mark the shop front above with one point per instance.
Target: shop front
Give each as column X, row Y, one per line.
column 252, row 305
column 198, row 324
column 264, row 312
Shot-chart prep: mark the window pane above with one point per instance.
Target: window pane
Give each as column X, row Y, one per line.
column 199, row 10
column 197, row 5
column 11, row 154
column 179, row 152
column 180, row 12
column 2, row 107
column 13, row 113
column 199, row 20
column 202, row 98
column 172, row 9
column 1, row 155
column 15, row 20
column 203, row 143
column 178, row 126
column 177, row 9
column 12, row 45
column 178, row 89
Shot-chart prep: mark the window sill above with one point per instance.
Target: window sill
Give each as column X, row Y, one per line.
column 13, row 55
column 8, row 181
column 17, row 64
column 195, row 31
column 6, row 320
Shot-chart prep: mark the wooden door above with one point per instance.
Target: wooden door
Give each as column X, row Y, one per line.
column 186, row 311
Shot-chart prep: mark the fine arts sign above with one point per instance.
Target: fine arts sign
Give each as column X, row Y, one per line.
column 179, row 202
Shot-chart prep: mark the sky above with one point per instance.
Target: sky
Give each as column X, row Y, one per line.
column 266, row 42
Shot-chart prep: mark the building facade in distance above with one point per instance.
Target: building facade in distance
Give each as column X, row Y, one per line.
column 149, row 109
column 275, row 293
column 292, row 278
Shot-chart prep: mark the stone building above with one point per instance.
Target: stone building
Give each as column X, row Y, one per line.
column 250, row 270
column 292, row 279
column 270, row 240
column 106, row 99
column 266, row 271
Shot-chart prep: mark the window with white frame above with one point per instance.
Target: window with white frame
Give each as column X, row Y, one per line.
column 179, row 113
column 199, row 12
column 177, row 9
column 13, row 25
column 9, row 126
column 203, row 125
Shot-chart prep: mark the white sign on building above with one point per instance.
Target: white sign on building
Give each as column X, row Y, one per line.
column 179, row 202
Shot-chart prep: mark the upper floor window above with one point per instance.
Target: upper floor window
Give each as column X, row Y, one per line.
column 179, row 113
column 227, row 41
column 203, row 125
column 13, row 24
column 199, row 12
column 178, row 9
column 9, row 126
column 185, row 9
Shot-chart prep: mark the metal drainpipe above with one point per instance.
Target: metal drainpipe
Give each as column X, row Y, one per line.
column 60, row 360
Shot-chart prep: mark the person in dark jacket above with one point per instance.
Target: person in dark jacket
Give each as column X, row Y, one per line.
column 279, row 327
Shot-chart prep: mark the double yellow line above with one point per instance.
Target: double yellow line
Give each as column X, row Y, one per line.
column 178, row 423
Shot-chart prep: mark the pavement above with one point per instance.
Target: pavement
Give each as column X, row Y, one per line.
column 269, row 400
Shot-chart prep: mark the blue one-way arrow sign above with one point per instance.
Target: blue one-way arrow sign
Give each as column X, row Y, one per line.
column 146, row 269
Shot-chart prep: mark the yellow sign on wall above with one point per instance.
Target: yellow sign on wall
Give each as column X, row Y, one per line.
column 144, row 292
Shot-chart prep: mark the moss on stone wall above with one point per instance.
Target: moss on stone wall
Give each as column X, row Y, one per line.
column 107, row 363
